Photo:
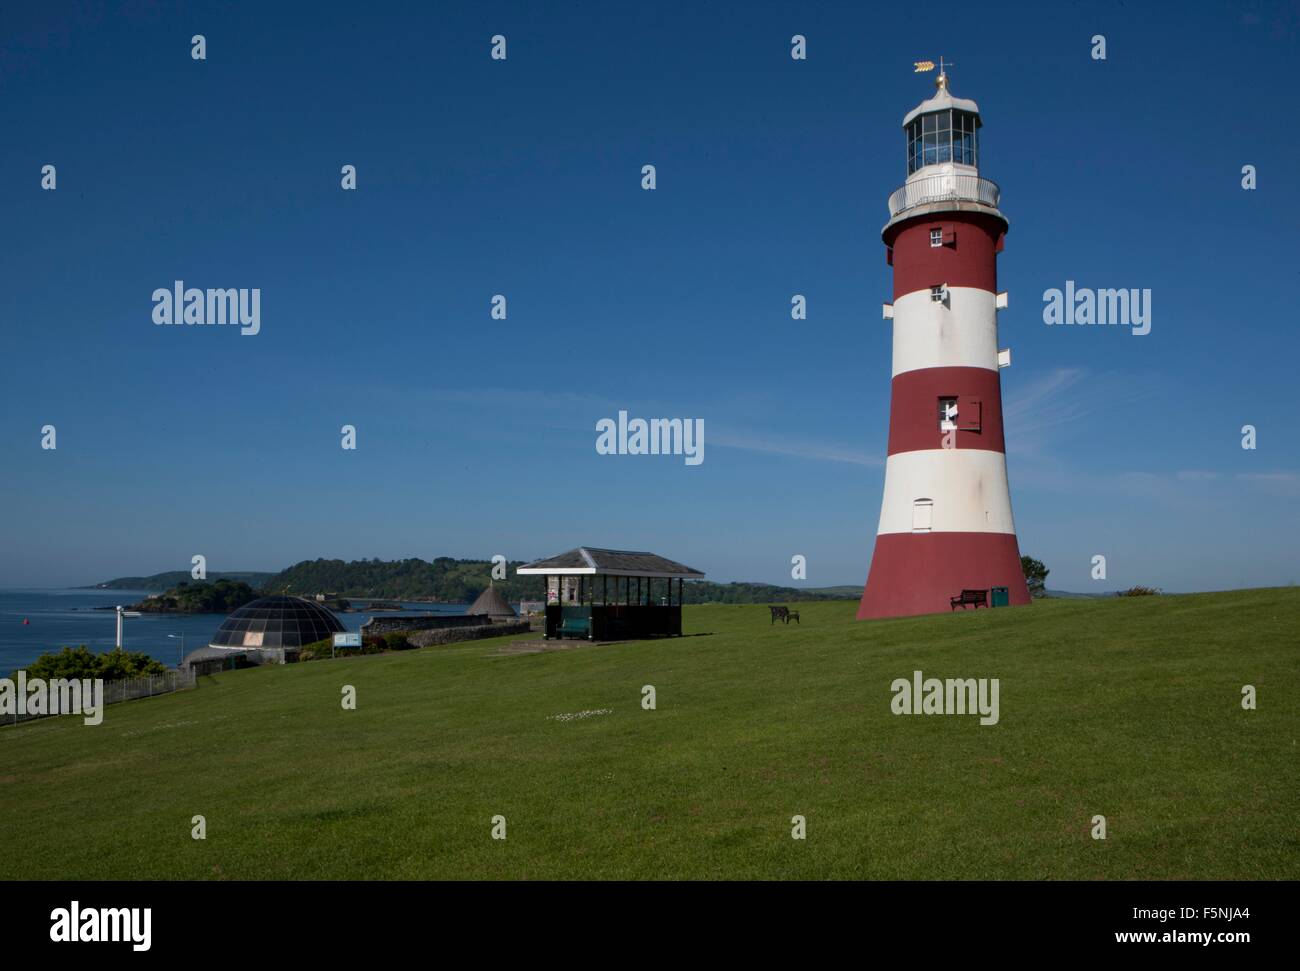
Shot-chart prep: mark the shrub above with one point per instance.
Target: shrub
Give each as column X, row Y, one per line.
column 1138, row 592
column 317, row 649
column 118, row 664
column 71, row 662
column 397, row 641
column 377, row 644
column 80, row 662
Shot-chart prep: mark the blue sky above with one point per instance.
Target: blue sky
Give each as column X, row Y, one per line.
column 522, row 177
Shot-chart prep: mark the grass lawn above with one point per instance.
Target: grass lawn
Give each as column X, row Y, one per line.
column 1128, row 708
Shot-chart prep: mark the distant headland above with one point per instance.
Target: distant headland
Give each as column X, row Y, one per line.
column 442, row 580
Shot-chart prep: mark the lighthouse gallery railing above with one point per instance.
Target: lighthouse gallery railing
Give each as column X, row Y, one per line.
column 943, row 188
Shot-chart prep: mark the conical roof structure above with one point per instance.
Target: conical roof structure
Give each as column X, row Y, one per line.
column 491, row 602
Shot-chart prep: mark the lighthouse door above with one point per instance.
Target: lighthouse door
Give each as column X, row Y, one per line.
column 922, row 515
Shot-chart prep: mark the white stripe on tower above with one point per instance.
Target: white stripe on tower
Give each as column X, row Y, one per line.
column 926, row 334
column 968, row 489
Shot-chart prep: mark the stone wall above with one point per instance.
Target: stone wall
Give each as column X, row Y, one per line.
column 450, row 635
column 387, row 625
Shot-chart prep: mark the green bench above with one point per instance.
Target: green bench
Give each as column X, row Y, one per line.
column 575, row 627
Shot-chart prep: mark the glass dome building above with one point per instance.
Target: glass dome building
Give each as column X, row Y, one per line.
column 277, row 622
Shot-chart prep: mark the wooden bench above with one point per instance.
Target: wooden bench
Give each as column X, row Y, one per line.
column 969, row 597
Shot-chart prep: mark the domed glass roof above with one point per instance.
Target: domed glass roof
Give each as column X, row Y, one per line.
column 277, row 622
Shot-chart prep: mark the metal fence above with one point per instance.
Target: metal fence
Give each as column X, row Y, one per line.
column 129, row 689
column 943, row 188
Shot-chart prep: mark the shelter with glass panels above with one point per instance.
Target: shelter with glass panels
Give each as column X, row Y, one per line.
column 602, row 595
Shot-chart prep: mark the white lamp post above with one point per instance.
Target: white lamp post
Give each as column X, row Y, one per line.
column 123, row 612
column 182, row 655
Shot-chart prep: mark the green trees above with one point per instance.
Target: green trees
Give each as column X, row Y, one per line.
column 79, row 662
column 444, row 579
column 705, row 591
column 221, row 597
column 175, row 578
column 1035, row 575
column 450, row 580
column 117, row 664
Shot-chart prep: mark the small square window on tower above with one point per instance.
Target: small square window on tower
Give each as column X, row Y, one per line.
column 936, row 236
column 940, row 293
column 947, row 414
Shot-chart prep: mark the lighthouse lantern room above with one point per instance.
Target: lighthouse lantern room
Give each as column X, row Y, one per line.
column 945, row 519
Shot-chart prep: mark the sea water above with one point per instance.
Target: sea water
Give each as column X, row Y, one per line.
column 60, row 618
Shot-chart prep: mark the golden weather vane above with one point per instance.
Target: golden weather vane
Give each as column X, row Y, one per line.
column 921, row 67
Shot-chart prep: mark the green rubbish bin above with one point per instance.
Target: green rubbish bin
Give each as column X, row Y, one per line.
column 1001, row 597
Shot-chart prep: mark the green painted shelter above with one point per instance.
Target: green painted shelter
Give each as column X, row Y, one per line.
column 608, row 595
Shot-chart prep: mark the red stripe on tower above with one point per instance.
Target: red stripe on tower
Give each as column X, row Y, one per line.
column 966, row 258
column 945, row 517
column 915, row 421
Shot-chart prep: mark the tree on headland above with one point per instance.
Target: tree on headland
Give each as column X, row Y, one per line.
column 221, row 597
column 449, row 580
column 1035, row 575
column 443, row 579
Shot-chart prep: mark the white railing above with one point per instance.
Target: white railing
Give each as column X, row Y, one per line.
column 128, row 689
column 943, row 188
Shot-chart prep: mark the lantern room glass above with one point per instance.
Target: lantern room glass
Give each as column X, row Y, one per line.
column 936, row 137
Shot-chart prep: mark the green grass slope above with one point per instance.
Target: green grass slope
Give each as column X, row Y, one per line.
column 1129, row 708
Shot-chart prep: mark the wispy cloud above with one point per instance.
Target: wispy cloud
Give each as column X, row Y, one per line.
column 1051, row 404
column 1274, row 483
column 1039, row 403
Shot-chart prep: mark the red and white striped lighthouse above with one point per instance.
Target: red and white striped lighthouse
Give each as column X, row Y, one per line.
column 945, row 518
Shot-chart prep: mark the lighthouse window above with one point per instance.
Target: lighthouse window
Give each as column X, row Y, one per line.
column 947, row 414
column 943, row 136
column 936, row 237
column 965, row 139
column 936, row 293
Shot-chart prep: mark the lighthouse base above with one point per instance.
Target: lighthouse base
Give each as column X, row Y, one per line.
column 917, row 573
